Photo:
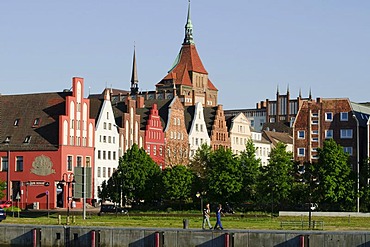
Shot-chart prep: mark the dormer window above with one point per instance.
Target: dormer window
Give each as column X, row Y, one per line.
column 27, row 139
column 16, row 122
column 36, row 122
column 7, row 139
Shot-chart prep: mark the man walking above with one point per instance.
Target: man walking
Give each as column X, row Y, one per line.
column 218, row 217
column 206, row 215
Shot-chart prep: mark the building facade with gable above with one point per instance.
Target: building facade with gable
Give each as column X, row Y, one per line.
column 46, row 138
column 106, row 140
column 239, row 131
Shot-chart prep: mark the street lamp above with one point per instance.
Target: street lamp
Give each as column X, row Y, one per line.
column 200, row 195
column 27, row 184
column 312, row 180
column 70, row 179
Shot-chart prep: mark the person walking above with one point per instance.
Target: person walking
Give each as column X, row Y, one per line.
column 218, row 217
column 206, row 215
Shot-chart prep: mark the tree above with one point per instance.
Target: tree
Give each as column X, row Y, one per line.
column 200, row 160
column 224, row 177
column 337, row 179
column 136, row 177
column 177, row 183
column 251, row 170
column 276, row 179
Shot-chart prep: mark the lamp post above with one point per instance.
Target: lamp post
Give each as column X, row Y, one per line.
column 27, row 184
column 272, row 186
column 200, row 195
column 70, row 179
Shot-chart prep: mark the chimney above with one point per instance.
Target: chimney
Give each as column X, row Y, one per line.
column 140, row 102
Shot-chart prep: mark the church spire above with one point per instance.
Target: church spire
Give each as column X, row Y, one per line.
column 134, row 78
column 188, row 30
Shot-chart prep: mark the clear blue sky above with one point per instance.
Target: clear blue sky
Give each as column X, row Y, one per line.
column 248, row 47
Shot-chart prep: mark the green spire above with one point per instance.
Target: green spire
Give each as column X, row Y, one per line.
column 188, row 30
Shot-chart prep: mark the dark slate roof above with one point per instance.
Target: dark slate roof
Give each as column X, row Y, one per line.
column 118, row 110
column 95, row 107
column 229, row 121
column 47, row 107
column 362, row 112
column 189, row 116
column 162, row 106
column 209, row 117
column 277, row 127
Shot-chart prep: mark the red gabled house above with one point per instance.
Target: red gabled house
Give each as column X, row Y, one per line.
column 45, row 141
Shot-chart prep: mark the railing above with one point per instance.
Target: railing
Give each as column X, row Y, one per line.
column 315, row 225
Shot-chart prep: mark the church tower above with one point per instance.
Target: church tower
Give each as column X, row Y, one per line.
column 189, row 75
column 134, row 79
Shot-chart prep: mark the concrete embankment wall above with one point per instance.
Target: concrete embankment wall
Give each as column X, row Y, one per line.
column 31, row 235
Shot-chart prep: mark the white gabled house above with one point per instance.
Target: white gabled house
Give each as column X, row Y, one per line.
column 106, row 140
column 198, row 133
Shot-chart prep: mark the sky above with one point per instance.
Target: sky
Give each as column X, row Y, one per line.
column 249, row 47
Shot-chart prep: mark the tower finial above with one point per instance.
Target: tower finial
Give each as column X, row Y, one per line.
column 310, row 95
column 188, row 30
column 134, row 77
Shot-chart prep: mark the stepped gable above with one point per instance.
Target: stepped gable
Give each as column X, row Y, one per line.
column 162, row 106
column 31, row 115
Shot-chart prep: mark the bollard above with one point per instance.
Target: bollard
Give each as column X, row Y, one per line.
column 301, row 241
column 227, row 240
column 74, row 219
column 36, row 237
column 185, row 223
column 158, row 239
column 59, row 219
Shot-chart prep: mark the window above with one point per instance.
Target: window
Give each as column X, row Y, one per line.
column 114, row 155
column 104, row 139
column 315, row 139
column 36, row 122
column 27, row 139
column 272, row 120
column 4, row 163
column 328, row 134
column 315, row 114
column 196, row 127
column 300, row 134
column 88, row 163
column 315, row 122
column 69, row 163
column 104, row 172
column 99, row 154
column 315, row 132
column 300, row 152
column 109, row 126
column 109, row 171
column 328, row 116
column 99, row 172
column 348, row 150
column 104, row 155
column 201, row 128
column 16, row 122
column 109, row 155
column 105, row 125
column 155, row 150
column 19, row 164
column 344, row 116
column 79, row 161
column 148, row 148
column 346, row 133
column 7, row 139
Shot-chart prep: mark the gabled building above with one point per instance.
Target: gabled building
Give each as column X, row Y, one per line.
column 154, row 142
column 106, row 140
column 197, row 128
column 189, row 75
column 216, row 126
column 239, row 132
column 46, row 139
column 177, row 138
column 263, row 147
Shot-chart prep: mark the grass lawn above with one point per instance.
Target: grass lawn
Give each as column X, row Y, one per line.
column 164, row 220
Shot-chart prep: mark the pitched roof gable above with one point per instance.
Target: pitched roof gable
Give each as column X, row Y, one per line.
column 46, row 108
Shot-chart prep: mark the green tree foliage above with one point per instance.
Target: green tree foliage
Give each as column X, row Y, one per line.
column 200, row 160
column 224, row 176
column 137, row 177
column 336, row 178
column 276, row 180
column 251, row 170
column 177, row 183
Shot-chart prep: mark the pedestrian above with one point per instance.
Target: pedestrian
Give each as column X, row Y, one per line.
column 206, row 215
column 218, row 217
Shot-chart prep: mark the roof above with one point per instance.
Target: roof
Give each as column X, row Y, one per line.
column 362, row 112
column 19, row 113
column 276, row 137
column 209, row 117
column 189, row 116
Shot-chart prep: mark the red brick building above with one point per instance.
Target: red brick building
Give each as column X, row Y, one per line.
column 322, row 119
